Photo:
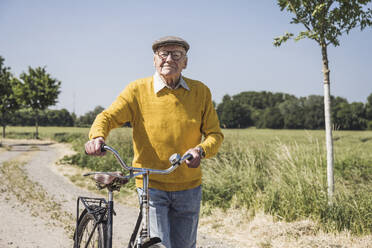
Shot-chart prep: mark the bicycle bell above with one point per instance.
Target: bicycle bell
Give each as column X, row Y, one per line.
column 175, row 159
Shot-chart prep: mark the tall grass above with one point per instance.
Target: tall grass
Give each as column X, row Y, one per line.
column 279, row 171
column 287, row 178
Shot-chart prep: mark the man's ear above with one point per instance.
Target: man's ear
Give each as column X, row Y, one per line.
column 185, row 64
column 154, row 60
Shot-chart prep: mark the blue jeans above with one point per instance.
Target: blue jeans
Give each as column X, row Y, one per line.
column 174, row 216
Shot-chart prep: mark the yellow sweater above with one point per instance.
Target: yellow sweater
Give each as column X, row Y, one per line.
column 171, row 121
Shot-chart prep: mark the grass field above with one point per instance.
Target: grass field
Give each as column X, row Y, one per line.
column 280, row 172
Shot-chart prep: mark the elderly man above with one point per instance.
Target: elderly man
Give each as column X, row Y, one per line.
column 169, row 114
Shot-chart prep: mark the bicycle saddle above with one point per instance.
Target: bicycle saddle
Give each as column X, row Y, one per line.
column 109, row 178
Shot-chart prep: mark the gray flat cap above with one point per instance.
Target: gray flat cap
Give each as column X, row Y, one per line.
column 170, row 40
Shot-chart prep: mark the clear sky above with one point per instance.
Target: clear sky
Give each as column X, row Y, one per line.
column 95, row 48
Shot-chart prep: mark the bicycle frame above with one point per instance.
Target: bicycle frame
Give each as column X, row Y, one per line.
column 107, row 207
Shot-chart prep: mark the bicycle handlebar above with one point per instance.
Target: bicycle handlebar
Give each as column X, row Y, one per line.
column 175, row 161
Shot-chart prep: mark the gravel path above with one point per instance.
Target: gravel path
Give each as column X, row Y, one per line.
column 26, row 227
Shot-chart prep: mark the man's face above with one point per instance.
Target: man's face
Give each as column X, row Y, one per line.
column 170, row 60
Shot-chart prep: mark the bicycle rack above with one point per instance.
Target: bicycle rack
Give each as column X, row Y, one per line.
column 96, row 206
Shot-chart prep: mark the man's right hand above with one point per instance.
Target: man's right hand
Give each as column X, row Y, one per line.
column 93, row 147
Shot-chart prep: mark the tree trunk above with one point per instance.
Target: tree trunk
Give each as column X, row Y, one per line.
column 3, row 122
column 328, row 123
column 37, row 124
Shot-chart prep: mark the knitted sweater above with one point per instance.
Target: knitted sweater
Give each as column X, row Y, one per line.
column 171, row 121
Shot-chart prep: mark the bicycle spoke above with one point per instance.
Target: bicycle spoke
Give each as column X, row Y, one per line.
column 94, row 242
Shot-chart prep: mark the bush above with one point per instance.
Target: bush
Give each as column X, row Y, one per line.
column 65, row 137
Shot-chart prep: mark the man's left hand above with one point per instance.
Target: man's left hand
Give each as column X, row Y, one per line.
column 195, row 162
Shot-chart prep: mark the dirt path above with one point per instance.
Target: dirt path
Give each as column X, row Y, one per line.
column 39, row 209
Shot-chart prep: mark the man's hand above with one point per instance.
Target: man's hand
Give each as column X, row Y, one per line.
column 195, row 162
column 93, row 147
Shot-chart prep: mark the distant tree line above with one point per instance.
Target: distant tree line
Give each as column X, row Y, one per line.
column 49, row 117
column 246, row 109
column 25, row 101
column 280, row 110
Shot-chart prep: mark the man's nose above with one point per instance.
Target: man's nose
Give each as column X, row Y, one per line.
column 169, row 57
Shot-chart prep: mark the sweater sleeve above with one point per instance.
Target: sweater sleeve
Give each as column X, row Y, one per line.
column 210, row 128
column 119, row 112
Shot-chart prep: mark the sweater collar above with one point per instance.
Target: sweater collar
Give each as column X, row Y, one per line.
column 159, row 84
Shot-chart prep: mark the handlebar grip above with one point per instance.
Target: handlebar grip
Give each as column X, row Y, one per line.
column 103, row 149
column 189, row 157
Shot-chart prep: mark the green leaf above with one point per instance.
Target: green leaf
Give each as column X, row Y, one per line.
column 279, row 40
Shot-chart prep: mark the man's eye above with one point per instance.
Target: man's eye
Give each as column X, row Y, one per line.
column 176, row 54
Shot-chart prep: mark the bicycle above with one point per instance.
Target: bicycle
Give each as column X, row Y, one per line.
column 94, row 225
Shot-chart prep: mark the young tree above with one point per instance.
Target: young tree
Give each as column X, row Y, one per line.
column 9, row 97
column 39, row 91
column 324, row 22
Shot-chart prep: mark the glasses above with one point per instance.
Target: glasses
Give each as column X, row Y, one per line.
column 176, row 55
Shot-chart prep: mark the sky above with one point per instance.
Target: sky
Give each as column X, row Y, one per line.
column 95, row 48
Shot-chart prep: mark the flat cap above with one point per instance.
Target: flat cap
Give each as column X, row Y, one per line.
column 170, row 40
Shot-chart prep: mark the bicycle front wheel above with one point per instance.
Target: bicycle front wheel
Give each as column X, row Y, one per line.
column 90, row 234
